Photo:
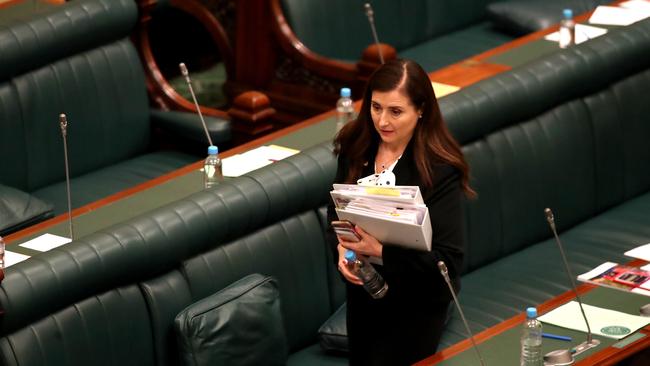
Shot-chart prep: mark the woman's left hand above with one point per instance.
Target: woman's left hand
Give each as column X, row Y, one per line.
column 368, row 245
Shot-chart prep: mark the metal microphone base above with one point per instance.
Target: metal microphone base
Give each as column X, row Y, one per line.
column 562, row 357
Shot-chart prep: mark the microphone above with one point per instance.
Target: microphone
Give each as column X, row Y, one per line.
column 370, row 14
column 63, row 123
column 186, row 74
column 445, row 274
column 590, row 342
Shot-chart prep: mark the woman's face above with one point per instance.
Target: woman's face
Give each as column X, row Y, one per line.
column 394, row 116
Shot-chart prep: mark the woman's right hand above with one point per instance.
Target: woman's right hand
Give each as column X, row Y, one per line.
column 344, row 269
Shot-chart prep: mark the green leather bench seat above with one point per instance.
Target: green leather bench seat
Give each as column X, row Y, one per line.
column 52, row 66
column 433, row 33
column 567, row 132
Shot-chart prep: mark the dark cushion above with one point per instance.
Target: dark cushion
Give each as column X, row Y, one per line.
column 522, row 17
column 239, row 325
column 19, row 209
column 333, row 334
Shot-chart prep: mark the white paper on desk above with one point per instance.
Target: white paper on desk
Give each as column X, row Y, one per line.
column 237, row 165
column 603, row 322
column 640, row 252
column 12, row 258
column 583, row 33
column 612, row 15
column 642, row 5
column 45, row 242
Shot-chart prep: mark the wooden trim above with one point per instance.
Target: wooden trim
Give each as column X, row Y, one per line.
column 316, row 63
column 165, row 96
column 9, row 3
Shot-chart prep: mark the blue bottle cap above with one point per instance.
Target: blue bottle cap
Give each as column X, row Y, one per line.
column 531, row 313
column 346, row 92
column 568, row 13
column 213, row 150
column 350, row 255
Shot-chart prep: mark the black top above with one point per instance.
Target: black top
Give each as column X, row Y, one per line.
column 405, row 326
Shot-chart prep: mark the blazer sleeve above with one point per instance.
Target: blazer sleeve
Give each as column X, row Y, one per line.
column 413, row 268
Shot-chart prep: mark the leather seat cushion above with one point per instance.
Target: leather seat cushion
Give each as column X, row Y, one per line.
column 104, row 182
column 501, row 290
column 19, row 209
column 455, row 46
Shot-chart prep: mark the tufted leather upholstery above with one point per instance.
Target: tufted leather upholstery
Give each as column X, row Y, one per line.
column 541, row 135
column 434, row 33
column 77, row 59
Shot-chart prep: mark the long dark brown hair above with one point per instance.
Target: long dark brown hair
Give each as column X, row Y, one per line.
column 431, row 139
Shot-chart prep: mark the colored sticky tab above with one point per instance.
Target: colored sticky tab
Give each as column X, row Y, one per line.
column 383, row 191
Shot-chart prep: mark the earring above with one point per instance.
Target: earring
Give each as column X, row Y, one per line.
column 420, row 116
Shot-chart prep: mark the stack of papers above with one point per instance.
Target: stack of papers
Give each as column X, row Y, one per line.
column 603, row 322
column 240, row 164
column 619, row 277
column 393, row 215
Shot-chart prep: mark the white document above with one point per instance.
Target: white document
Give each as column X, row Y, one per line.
column 12, row 258
column 583, row 33
column 403, row 194
column 612, row 15
column 603, row 322
column 45, row 242
column 642, row 5
column 641, row 252
column 237, row 165
column 391, row 232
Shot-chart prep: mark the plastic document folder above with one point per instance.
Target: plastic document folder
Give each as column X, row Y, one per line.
column 393, row 215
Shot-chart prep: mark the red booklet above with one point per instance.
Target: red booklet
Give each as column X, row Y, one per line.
column 620, row 277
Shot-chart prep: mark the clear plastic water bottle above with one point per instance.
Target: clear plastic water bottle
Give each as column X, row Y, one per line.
column 212, row 172
column 373, row 282
column 567, row 29
column 531, row 340
column 2, row 253
column 344, row 109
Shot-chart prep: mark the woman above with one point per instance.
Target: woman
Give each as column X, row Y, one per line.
column 400, row 128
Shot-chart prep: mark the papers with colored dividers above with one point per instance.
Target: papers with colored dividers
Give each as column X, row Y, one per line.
column 583, row 33
column 393, row 215
column 240, row 164
column 603, row 322
column 619, row 277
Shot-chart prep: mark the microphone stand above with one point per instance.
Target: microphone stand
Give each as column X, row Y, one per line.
column 63, row 122
column 186, row 74
column 445, row 274
column 590, row 342
column 371, row 19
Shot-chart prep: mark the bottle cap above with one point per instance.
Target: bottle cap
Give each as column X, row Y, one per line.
column 346, row 92
column 350, row 255
column 213, row 150
column 531, row 313
column 568, row 13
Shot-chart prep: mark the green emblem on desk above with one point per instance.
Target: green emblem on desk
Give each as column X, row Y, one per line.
column 615, row 330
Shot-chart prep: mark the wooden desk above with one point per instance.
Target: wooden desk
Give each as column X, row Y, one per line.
column 610, row 352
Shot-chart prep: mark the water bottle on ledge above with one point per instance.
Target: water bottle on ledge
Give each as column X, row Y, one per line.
column 567, row 29
column 344, row 109
column 212, row 173
column 531, row 340
column 373, row 282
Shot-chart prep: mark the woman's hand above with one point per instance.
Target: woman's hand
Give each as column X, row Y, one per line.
column 344, row 269
column 368, row 245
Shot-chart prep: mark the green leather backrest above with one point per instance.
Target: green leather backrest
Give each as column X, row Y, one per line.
column 340, row 29
column 99, row 85
column 100, row 330
column 574, row 138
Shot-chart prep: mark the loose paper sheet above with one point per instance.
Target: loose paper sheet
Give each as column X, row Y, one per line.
column 612, row 15
column 640, row 252
column 583, row 33
column 45, row 242
column 237, row 165
column 443, row 89
column 12, row 258
column 603, row 322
